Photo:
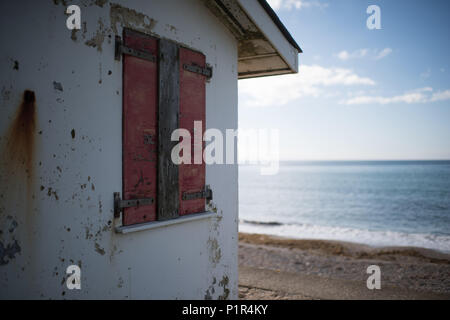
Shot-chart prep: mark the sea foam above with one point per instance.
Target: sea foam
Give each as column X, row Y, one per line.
column 369, row 237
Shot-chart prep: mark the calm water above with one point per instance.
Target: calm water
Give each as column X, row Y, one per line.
column 377, row 203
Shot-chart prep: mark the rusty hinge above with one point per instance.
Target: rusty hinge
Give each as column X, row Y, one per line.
column 206, row 193
column 120, row 204
column 122, row 49
column 206, row 71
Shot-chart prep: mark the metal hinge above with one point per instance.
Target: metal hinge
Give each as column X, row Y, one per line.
column 206, row 193
column 122, row 49
column 207, row 71
column 120, row 204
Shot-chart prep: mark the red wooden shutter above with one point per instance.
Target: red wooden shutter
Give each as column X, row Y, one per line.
column 192, row 108
column 140, row 127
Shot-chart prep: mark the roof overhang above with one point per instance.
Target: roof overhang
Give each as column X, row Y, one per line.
column 265, row 46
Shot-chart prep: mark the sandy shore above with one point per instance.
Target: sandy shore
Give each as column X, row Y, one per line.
column 279, row 268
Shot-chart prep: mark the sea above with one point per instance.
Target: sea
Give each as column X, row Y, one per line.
column 378, row 203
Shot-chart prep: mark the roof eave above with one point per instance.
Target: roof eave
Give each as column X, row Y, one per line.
column 265, row 46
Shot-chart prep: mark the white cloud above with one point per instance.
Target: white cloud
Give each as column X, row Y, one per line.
column 345, row 55
column 309, row 82
column 422, row 95
column 383, row 53
column 275, row 4
column 295, row 4
column 440, row 96
column 362, row 53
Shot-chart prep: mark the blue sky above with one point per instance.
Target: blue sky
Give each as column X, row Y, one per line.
column 359, row 94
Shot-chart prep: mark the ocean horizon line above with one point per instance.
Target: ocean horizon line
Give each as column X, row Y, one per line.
column 352, row 162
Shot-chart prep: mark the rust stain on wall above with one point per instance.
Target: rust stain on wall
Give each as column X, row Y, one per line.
column 20, row 138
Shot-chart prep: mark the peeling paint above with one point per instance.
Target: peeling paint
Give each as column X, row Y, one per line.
column 9, row 252
column 57, row 2
column 210, row 206
column 60, row 172
column 51, row 192
column 99, row 37
column 129, row 18
column 57, row 86
column 210, row 291
column 224, row 284
column 73, row 35
column 86, row 3
column 99, row 249
column 13, row 224
column 101, row 3
column 215, row 253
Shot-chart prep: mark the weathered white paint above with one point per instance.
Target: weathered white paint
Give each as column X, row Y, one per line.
column 71, row 223
column 165, row 223
column 272, row 33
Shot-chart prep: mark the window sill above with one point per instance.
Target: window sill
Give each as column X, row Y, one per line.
column 166, row 223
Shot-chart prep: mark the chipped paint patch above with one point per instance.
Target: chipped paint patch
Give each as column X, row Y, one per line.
column 100, row 3
column 73, row 35
column 8, row 252
column 210, row 291
column 120, row 284
column 210, row 206
column 57, row 2
column 99, row 249
column 224, row 284
column 129, row 18
column 13, row 224
column 85, row 3
column 215, row 253
column 57, row 86
column 99, row 37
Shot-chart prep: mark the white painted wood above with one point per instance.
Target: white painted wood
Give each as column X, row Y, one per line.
column 264, row 23
column 166, row 223
column 70, row 221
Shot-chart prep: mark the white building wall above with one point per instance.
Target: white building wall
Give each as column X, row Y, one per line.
column 63, row 213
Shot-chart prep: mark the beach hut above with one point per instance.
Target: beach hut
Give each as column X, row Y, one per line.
column 92, row 204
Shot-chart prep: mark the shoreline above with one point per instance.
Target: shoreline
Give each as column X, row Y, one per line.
column 322, row 269
column 346, row 248
column 371, row 238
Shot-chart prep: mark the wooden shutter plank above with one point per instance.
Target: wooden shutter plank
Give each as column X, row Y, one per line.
column 169, row 107
column 139, row 128
column 192, row 108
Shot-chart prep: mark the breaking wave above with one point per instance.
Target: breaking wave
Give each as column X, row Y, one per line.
column 369, row 237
